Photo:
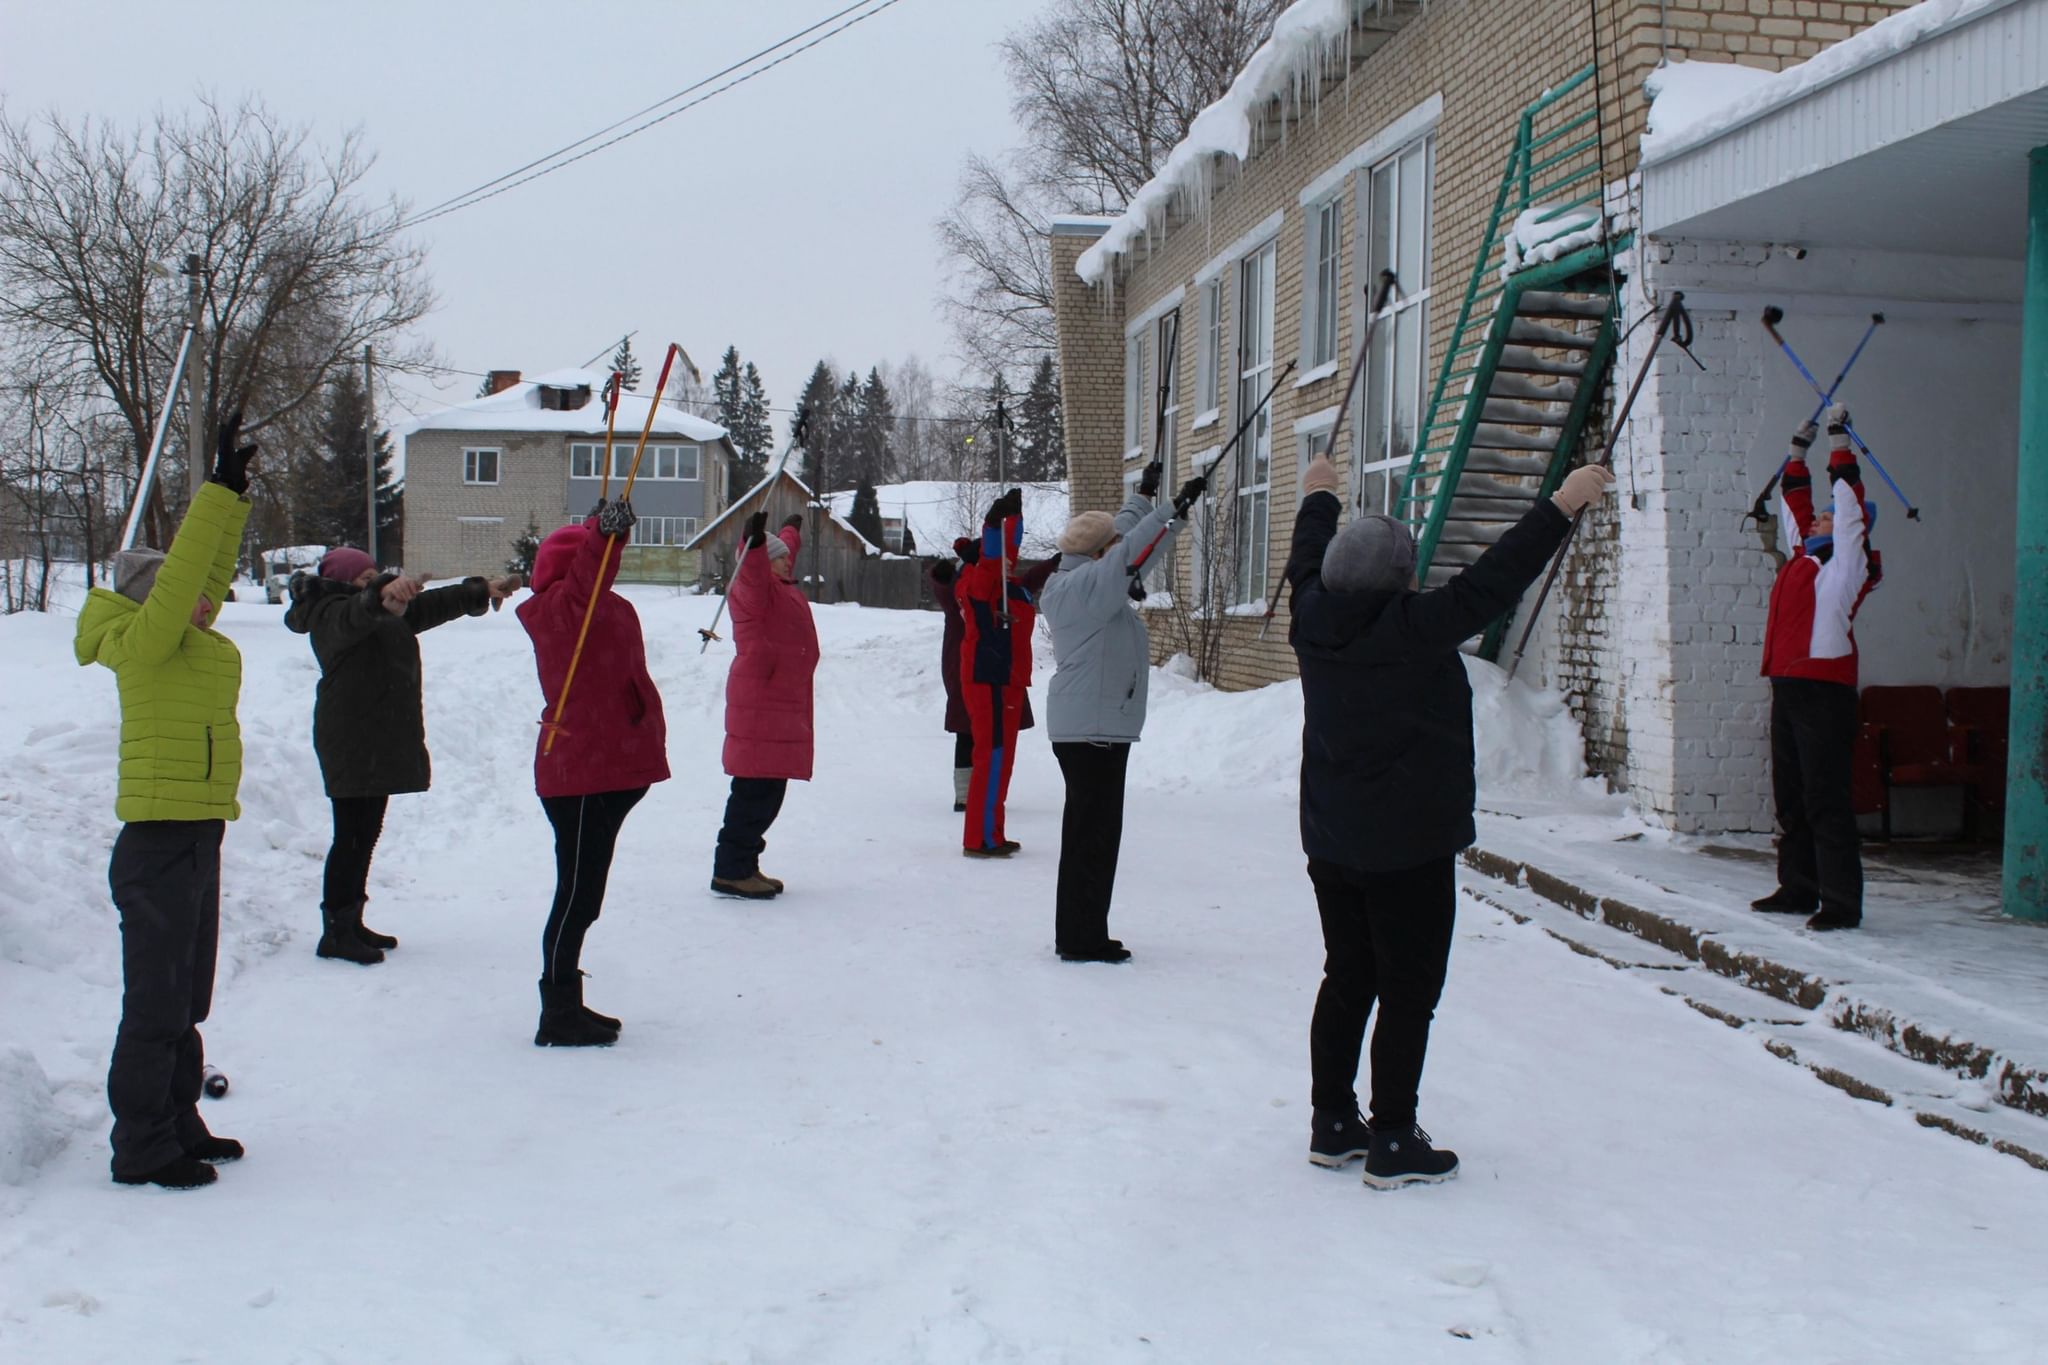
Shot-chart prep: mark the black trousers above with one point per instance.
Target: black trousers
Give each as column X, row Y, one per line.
column 1813, row 734
column 358, row 820
column 586, row 832
column 1386, row 936
column 963, row 750
column 1091, row 837
column 165, row 876
column 749, row 811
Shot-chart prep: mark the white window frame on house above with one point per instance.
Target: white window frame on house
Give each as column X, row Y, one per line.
column 664, row 531
column 1208, row 370
column 473, row 466
column 1252, row 472
column 1312, row 437
column 1134, row 394
column 668, row 462
column 1322, row 290
column 1394, row 199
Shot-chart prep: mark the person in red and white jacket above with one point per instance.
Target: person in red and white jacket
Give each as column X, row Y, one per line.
column 1810, row 658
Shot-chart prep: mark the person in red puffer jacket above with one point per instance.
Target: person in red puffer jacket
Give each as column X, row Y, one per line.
column 768, row 736
column 995, row 670
column 1810, row 658
column 944, row 575
column 610, row 746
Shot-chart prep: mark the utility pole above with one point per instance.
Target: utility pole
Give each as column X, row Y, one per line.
column 370, row 448
column 195, row 405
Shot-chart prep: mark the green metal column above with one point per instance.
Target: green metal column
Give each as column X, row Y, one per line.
column 2026, row 811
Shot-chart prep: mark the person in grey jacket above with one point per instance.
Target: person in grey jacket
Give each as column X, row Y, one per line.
column 1096, row 702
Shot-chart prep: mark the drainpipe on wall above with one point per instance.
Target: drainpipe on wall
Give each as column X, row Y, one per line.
column 2026, row 810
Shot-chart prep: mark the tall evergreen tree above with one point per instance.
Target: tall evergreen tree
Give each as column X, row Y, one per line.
column 866, row 516
column 627, row 364
column 876, row 431
column 820, row 399
column 730, row 395
column 846, row 465
column 756, row 434
column 335, row 491
column 1041, row 431
column 997, row 466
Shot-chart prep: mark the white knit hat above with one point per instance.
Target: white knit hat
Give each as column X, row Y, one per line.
column 1087, row 533
column 777, row 548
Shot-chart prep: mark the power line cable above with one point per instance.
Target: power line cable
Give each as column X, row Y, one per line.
column 549, row 166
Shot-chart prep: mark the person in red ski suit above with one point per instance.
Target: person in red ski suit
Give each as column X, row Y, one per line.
column 944, row 574
column 768, row 734
column 995, row 668
column 1810, row 658
column 610, row 746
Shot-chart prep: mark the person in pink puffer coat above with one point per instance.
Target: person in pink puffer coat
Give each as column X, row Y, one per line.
column 767, row 703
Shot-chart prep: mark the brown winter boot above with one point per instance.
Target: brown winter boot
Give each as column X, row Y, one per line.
column 338, row 939
column 752, row 887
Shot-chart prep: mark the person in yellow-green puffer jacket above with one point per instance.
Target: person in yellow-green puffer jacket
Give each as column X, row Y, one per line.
column 181, row 762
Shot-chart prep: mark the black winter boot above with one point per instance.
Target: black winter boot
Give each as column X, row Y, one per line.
column 1403, row 1156
column 368, row 935
column 179, row 1173
column 563, row 1022
column 1337, row 1136
column 588, row 1013
column 215, row 1150
column 338, row 938
column 1783, row 902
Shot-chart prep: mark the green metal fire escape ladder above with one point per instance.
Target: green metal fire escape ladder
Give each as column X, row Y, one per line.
column 1531, row 349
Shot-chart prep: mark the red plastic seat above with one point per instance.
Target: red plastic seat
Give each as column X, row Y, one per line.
column 1916, row 746
column 1978, row 718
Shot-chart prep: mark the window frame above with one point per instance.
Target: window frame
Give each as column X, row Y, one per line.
column 1209, row 355
column 650, row 463
column 472, row 465
column 1252, row 469
column 1134, row 394
column 1322, row 282
column 1407, row 315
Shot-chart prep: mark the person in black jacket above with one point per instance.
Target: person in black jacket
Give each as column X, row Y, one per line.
column 1387, row 793
column 368, row 727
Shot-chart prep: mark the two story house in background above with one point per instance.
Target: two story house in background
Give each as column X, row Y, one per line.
column 531, row 453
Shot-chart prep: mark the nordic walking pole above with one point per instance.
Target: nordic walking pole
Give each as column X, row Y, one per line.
column 1772, row 317
column 796, row 438
column 1170, row 361
column 1677, row 324
column 1771, row 326
column 604, row 561
column 1138, row 561
column 611, row 422
column 156, row 445
column 1389, row 286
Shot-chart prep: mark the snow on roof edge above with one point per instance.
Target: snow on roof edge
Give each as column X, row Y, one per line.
column 1888, row 37
column 1302, row 37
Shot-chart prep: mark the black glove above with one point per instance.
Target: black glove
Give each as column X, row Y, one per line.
column 757, row 530
column 795, row 521
column 616, row 518
column 1138, row 593
column 1148, row 482
column 1189, row 493
column 230, row 460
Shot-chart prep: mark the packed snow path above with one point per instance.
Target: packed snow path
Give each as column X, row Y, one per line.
column 877, row 1120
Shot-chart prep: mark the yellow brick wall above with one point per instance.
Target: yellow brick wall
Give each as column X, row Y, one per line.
column 1487, row 59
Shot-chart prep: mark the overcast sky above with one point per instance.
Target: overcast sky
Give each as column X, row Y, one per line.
column 791, row 216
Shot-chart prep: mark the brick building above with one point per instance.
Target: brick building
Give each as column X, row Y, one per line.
column 1458, row 142
column 531, row 452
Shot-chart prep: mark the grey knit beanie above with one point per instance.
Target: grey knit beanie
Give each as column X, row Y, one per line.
column 1372, row 554
column 135, row 572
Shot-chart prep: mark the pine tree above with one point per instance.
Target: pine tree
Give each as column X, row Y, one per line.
column 483, row 387
column 1041, row 434
column 333, row 511
column 627, row 364
column 866, row 516
column 727, row 392
column 756, row 435
column 820, row 399
column 845, row 469
column 525, row 548
column 876, row 431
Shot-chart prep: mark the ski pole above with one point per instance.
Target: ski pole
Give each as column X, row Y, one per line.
column 1677, row 324
column 1168, row 364
column 796, row 438
column 1772, row 317
column 611, row 422
column 1138, row 562
column 156, row 445
column 1003, row 535
column 604, row 559
column 1389, row 286
column 1862, row 447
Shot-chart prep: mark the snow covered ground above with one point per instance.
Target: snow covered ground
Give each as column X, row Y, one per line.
column 877, row 1120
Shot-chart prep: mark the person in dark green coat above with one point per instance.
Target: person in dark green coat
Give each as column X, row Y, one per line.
column 181, row 765
column 368, row 726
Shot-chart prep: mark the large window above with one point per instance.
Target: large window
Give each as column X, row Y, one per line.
column 1209, row 364
column 662, row 463
column 1393, row 228
column 664, row 531
column 1254, row 464
column 1321, row 289
column 480, row 464
column 1167, row 344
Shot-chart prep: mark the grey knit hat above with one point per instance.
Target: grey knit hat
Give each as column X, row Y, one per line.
column 1372, row 554
column 135, row 572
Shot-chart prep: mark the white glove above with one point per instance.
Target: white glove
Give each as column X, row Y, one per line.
column 1582, row 488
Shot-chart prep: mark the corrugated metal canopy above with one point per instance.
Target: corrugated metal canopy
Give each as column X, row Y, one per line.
column 1924, row 150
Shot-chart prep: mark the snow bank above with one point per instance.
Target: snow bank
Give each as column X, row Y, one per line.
column 1709, row 104
column 32, row 1128
column 1305, row 37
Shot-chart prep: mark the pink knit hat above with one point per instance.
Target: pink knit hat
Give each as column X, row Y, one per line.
column 345, row 564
